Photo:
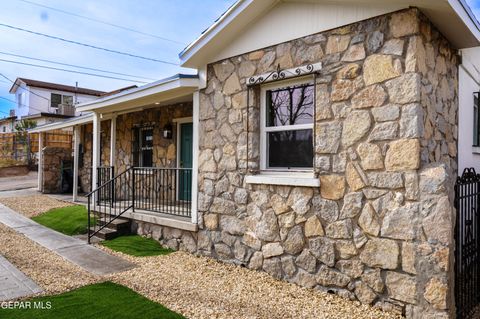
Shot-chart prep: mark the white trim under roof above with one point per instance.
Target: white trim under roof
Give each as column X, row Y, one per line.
column 83, row 119
column 155, row 92
column 452, row 17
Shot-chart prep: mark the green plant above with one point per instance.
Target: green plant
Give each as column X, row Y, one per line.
column 138, row 246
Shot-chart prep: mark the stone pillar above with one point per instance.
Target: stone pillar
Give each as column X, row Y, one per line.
column 196, row 102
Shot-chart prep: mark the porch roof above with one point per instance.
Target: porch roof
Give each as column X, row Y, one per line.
column 82, row 119
column 169, row 89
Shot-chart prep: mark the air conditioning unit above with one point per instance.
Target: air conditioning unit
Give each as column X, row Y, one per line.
column 66, row 109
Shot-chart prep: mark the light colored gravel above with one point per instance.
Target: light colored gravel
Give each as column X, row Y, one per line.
column 200, row 287
column 197, row 287
column 33, row 205
column 50, row 271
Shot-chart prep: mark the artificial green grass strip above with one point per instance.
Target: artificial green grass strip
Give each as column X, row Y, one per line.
column 135, row 245
column 103, row 301
column 71, row 220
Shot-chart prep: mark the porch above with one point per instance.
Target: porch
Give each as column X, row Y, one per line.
column 134, row 154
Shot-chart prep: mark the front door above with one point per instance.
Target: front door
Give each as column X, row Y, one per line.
column 186, row 149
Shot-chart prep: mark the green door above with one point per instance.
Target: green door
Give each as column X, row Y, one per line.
column 186, row 155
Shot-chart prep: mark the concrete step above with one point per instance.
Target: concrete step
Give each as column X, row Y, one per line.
column 119, row 224
column 106, row 233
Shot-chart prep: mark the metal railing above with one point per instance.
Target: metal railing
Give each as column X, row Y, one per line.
column 102, row 210
column 163, row 190
column 160, row 190
column 467, row 244
column 105, row 174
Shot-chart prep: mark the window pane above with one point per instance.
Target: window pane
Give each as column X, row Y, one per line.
column 147, row 138
column 290, row 149
column 68, row 100
column 290, row 106
column 147, row 158
column 55, row 99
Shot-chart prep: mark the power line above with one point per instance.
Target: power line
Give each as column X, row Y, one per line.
column 14, row 83
column 16, row 103
column 72, row 71
column 87, row 45
column 75, row 66
column 102, row 22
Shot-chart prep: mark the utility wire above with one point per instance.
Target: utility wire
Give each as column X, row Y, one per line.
column 14, row 83
column 16, row 103
column 75, row 66
column 86, row 45
column 102, row 22
column 72, row 71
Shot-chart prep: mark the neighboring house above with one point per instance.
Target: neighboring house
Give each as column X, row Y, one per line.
column 7, row 124
column 319, row 142
column 47, row 102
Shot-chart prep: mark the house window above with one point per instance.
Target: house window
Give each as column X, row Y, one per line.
column 143, row 146
column 476, row 121
column 56, row 99
column 287, row 127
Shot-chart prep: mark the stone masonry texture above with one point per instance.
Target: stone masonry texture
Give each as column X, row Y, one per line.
column 380, row 227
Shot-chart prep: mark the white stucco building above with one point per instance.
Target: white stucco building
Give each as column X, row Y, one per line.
column 47, row 102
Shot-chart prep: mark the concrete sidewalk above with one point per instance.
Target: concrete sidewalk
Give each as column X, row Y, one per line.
column 76, row 251
column 19, row 182
column 13, row 283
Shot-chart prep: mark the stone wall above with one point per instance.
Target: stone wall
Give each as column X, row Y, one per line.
column 379, row 228
column 164, row 150
column 51, row 163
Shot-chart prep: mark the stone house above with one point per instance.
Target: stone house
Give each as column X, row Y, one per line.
column 321, row 146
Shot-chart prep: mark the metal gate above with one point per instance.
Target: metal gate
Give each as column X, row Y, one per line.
column 467, row 244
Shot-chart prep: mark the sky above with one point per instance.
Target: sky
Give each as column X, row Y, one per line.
column 179, row 20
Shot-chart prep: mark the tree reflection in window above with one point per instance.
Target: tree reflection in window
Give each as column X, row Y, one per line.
column 289, row 127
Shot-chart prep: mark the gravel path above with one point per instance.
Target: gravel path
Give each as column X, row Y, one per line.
column 197, row 287
column 200, row 287
column 50, row 271
column 32, row 205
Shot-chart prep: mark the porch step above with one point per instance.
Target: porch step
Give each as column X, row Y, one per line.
column 105, row 233
column 115, row 228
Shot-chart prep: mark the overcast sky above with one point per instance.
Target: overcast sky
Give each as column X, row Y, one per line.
column 180, row 21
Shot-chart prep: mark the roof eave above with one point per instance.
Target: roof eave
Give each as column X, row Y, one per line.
column 165, row 85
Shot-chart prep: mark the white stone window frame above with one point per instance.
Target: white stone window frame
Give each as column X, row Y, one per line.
column 264, row 129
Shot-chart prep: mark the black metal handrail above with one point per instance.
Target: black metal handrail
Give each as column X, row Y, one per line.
column 106, row 209
column 161, row 190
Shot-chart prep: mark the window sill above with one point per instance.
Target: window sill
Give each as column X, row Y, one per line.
column 476, row 149
column 287, row 179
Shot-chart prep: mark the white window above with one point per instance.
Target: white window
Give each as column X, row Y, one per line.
column 286, row 129
column 56, row 99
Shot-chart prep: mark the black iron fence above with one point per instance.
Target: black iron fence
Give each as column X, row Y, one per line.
column 161, row 190
column 104, row 174
column 164, row 190
column 467, row 244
